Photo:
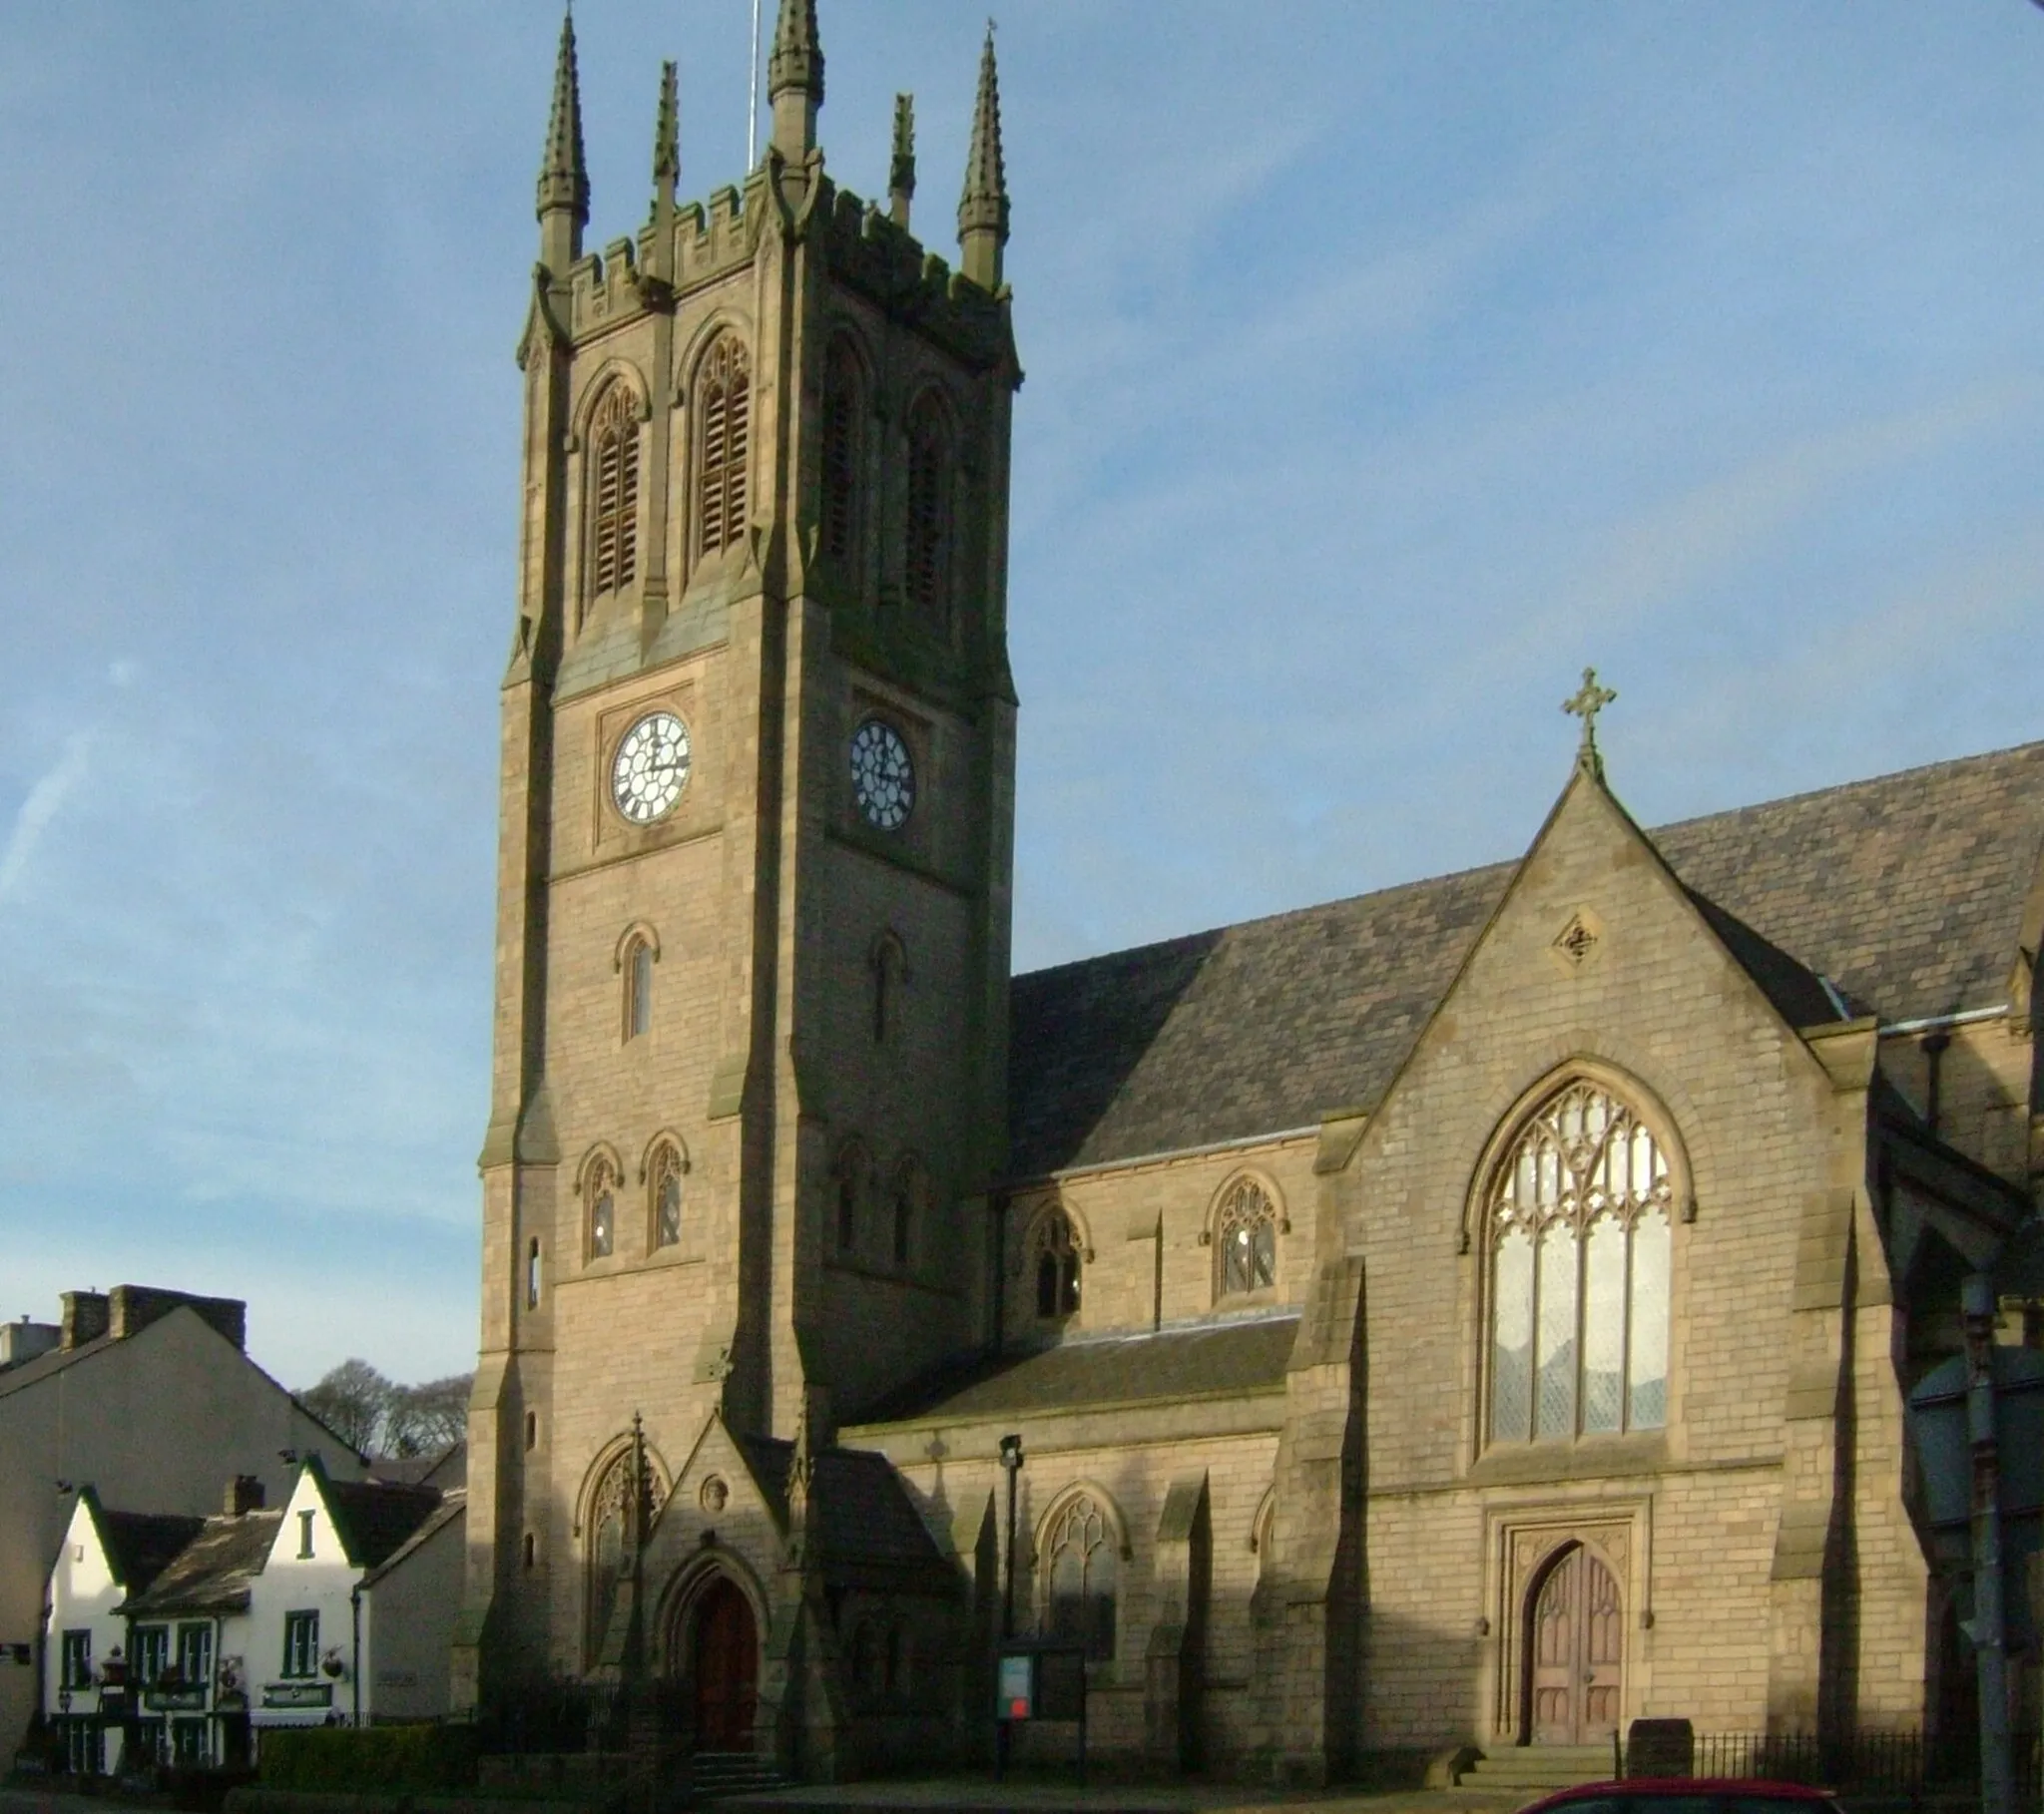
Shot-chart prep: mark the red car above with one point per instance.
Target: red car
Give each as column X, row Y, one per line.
column 1687, row 1795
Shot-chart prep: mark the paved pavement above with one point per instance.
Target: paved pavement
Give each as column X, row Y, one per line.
column 977, row 1795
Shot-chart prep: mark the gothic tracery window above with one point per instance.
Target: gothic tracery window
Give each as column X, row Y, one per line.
column 1580, row 1248
column 723, row 400
column 664, row 1189
column 1057, row 1267
column 843, row 414
column 1083, row 1555
column 1246, row 1232
column 929, row 527
column 614, row 492
column 611, row 1514
column 599, row 1191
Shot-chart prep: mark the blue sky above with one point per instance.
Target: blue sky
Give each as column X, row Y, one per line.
column 1386, row 363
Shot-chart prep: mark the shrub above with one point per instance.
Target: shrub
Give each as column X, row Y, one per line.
column 418, row 1758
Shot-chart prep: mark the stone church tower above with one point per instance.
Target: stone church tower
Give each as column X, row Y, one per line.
column 1471, row 1316
column 754, row 885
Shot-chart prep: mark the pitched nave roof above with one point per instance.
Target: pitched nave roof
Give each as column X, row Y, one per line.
column 1905, row 892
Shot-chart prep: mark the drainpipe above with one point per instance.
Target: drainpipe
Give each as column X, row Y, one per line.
column 354, row 1607
column 1997, row 1785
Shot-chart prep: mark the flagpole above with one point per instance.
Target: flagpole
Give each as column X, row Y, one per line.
column 752, row 106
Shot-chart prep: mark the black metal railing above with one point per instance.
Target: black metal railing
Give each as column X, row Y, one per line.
column 1872, row 1763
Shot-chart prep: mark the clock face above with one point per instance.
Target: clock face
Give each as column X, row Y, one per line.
column 651, row 767
column 882, row 776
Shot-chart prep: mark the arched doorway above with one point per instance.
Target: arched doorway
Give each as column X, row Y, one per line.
column 1574, row 1651
column 725, row 1659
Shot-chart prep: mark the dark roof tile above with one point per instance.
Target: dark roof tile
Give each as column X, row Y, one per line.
column 1906, row 891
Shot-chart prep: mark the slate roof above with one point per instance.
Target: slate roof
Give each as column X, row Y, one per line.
column 212, row 1571
column 451, row 1506
column 376, row 1517
column 1212, row 1360
column 868, row 1524
column 1906, row 891
column 142, row 1545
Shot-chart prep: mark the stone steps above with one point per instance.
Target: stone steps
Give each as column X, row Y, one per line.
column 718, row 1774
column 1538, row 1768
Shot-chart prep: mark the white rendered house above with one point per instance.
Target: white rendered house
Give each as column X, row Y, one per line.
column 257, row 1618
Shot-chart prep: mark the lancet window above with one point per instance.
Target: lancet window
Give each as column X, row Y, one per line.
column 664, row 1193
column 638, row 969
column 1083, row 1554
column 1245, row 1232
column 1580, row 1250
column 723, row 400
column 614, row 491
column 599, row 1188
column 848, row 1190
column 905, row 1208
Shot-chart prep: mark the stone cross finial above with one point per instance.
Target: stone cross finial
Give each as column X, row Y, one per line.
column 1587, row 702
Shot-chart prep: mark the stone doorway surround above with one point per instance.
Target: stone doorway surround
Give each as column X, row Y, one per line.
column 1520, row 1541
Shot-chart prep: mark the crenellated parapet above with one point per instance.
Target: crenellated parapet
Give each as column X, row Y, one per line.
column 860, row 244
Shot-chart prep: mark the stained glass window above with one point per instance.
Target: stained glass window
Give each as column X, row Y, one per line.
column 666, row 1179
column 603, row 1209
column 1580, row 1250
column 1246, row 1234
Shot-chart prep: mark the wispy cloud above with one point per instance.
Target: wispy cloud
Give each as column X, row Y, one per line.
column 42, row 804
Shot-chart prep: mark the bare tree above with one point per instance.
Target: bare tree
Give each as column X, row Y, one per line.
column 424, row 1419
column 352, row 1401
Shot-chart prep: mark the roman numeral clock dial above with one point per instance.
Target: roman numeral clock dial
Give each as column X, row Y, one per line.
column 651, row 768
column 882, row 775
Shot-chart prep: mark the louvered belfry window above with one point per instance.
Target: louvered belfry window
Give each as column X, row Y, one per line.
column 724, row 408
column 929, row 552
column 841, row 452
column 614, row 476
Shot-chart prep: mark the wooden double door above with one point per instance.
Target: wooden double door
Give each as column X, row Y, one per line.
column 1575, row 1650
column 726, row 1668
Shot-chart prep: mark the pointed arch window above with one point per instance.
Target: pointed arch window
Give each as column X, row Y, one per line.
column 610, row 1527
column 638, row 969
column 1245, row 1232
column 905, row 1211
column 1083, row 1554
column 724, row 401
column 614, row 491
column 929, row 540
column 890, row 971
column 843, row 450
column 848, row 1188
column 1580, row 1248
column 663, row 1195
column 599, row 1191
column 1056, row 1256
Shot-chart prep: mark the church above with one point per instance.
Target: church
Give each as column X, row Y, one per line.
column 1477, row 1314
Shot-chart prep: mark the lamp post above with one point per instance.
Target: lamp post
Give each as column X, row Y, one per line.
column 1011, row 1463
